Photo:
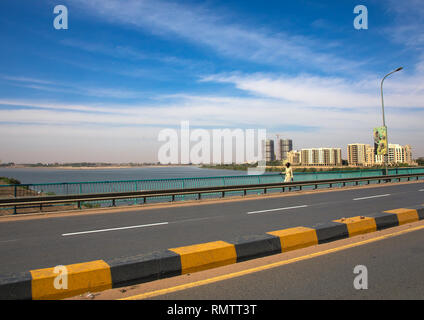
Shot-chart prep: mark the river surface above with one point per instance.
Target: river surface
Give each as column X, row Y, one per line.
column 53, row 175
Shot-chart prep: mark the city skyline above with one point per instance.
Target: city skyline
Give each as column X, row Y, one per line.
column 272, row 148
column 270, row 155
column 103, row 89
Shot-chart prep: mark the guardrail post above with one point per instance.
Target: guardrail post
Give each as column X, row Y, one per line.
column 135, row 189
column 15, row 192
column 183, row 188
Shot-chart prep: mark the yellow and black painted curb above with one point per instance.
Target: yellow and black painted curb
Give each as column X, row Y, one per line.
column 100, row 275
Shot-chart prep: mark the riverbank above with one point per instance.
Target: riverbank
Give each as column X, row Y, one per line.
column 244, row 167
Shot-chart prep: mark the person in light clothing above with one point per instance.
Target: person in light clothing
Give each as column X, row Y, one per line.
column 288, row 173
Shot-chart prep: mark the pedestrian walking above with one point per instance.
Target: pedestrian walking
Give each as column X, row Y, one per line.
column 288, row 173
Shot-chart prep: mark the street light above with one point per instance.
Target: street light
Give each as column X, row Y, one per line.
column 384, row 120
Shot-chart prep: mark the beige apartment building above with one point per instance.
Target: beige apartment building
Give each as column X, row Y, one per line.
column 293, row 157
column 321, row 157
column 357, row 154
column 363, row 154
column 400, row 154
column 371, row 158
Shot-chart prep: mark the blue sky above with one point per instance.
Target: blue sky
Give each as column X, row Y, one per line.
column 124, row 70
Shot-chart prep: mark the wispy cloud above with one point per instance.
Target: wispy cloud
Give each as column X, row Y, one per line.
column 93, row 127
column 25, row 79
column 204, row 27
column 335, row 127
column 80, row 89
column 408, row 26
column 207, row 111
column 316, row 91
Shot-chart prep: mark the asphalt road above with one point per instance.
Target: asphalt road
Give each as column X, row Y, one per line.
column 394, row 271
column 42, row 243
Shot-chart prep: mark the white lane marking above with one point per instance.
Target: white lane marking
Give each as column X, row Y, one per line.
column 421, row 190
column 113, row 229
column 277, row 209
column 381, row 195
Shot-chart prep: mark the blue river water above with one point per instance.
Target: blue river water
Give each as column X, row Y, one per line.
column 53, row 175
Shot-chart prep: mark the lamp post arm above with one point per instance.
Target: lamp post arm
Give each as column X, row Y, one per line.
column 382, row 99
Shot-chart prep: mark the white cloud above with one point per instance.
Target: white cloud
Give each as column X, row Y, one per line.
column 307, row 126
column 407, row 27
column 80, row 89
column 25, row 79
column 314, row 91
column 219, row 32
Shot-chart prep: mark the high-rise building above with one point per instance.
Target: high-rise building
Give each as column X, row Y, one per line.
column 321, row 157
column 278, row 148
column 286, row 145
column 370, row 157
column 282, row 147
column 357, row 154
column 268, row 150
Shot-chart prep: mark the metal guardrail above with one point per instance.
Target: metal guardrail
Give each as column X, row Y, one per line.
column 95, row 187
column 113, row 196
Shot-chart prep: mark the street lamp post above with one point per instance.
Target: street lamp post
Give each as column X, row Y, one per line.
column 384, row 119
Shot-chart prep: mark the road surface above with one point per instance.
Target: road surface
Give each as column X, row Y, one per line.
column 46, row 242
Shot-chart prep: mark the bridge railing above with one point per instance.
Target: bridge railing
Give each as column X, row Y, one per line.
column 94, row 187
column 180, row 192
